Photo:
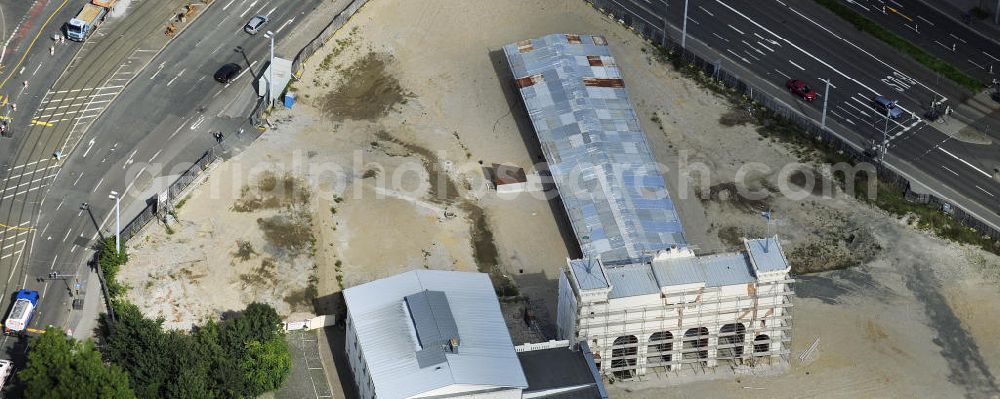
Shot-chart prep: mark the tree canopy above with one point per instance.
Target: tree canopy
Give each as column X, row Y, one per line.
column 241, row 356
column 62, row 367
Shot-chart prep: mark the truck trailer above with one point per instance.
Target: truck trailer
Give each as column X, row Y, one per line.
column 88, row 19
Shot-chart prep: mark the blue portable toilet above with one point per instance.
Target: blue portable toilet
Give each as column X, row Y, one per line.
column 289, row 100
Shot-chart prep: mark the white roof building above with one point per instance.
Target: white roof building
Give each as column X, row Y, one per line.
column 429, row 333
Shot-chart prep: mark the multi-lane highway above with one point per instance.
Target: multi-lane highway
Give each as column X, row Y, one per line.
column 128, row 112
column 771, row 41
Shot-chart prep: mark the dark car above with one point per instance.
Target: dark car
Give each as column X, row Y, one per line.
column 801, row 89
column 228, row 72
column 885, row 106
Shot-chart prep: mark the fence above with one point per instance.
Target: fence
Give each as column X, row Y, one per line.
column 257, row 116
column 619, row 11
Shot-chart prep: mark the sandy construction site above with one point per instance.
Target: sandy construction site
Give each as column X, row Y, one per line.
column 378, row 170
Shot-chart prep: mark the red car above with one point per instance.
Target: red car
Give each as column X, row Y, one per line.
column 801, row 89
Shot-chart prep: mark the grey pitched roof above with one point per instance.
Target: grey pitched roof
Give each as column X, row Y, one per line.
column 588, row 273
column 388, row 335
column 767, row 255
column 608, row 180
column 713, row 270
column 631, row 280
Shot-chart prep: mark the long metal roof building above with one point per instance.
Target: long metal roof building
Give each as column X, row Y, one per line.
column 608, row 180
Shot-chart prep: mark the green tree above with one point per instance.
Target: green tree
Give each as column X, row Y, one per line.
column 61, row 367
column 265, row 365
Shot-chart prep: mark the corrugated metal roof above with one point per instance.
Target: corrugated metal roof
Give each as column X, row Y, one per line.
column 588, row 274
column 380, row 317
column 767, row 255
column 631, row 280
column 607, row 178
column 713, row 270
column 431, row 317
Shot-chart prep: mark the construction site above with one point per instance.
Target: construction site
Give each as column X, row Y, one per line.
column 640, row 297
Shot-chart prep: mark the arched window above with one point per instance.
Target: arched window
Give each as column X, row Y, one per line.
column 658, row 351
column 731, row 338
column 623, row 355
column 693, row 339
column 761, row 344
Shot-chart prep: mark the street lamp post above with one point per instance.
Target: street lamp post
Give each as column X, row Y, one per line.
column 684, row 26
column 826, row 95
column 270, row 68
column 118, row 221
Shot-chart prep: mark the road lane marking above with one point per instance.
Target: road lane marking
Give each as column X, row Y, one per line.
column 706, row 11
column 974, row 63
column 782, row 73
column 175, row 77
column 796, row 65
column 957, row 38
column 78, row 179
column 752, row 47
column 988, row 55
column 949, row 169
column 290, row 21
column 41, row 30
column 229, row 4
column 720, row 37
column 734, row 28
column 155, row 155
column 984, row 190
column 248, row 9
column 744, row 59
column 98, row 185
column 966, row 163
column 768, row 48
column 925, row 20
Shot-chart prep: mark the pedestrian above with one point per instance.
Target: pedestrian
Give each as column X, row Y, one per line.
column 13, row 107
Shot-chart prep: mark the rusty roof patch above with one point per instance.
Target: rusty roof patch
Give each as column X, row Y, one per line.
column 573, row 39
column 524, row 46
column 595, row 60
column 528, row 81
column 604, row 82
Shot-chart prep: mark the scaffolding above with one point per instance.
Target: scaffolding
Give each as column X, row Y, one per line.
column 678, row 337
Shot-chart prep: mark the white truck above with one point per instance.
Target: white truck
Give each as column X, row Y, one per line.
column 21, row 313
column 88, row 19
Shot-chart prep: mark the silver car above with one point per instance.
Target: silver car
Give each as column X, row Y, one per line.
column 255, row 23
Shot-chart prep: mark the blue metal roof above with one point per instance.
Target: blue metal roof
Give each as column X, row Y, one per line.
column 767, row 255
column 608, row 180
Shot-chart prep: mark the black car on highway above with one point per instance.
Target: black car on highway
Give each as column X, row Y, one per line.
column 228, row 72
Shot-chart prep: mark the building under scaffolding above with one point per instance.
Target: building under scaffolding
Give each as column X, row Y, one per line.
column 640, row 297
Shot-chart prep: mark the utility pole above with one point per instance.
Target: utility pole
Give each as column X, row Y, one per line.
column 118, row 221
column 885, row 137
column 684, row 26
column 270, row 68
column 826, row 95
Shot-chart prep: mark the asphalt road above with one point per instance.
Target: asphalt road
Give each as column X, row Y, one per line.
column 944, row 36
column 772, row 41
column 159, row 123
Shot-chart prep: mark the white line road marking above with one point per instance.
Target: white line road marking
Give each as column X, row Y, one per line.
column 290, row 21
column 61, row 200
column 90, row 145
column 248, row 9
column 984, row 190
column 796, row 65
column 957, row 38
column 720, row 37
column 155, row 155
column 751, row 55
column 78, row 179
column 925, row 20
column 175, row 77
column 76, row 98
column 752, row 47
column 269, row 12
column 866, row 114
column 28, row 183
column 768, row 48
column 742, row 58
column 45, row 228
column 158, row 70
column 942, row 45
column 29, row 164
column 12, row 177
column 229, row 4
column 130, row 160
column 242, row 73
column 824, row 81
column 198, row 122
column 948, row 169
column 4, row 249
column 734, row 28
column 782, row 73
column 966, row 163
column 988, row 55
column 689, row 19
column 974, row 63
column 67, row 235
column 706, row 11
column 98, row 185
column 36, row 69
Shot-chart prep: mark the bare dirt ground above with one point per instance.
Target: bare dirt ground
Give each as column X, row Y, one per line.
column 397, row 112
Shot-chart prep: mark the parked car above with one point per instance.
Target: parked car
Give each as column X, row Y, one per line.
column 253, row 26
column 6, row 369
column 884, row 105
column 228, row 72
column 801, row 89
